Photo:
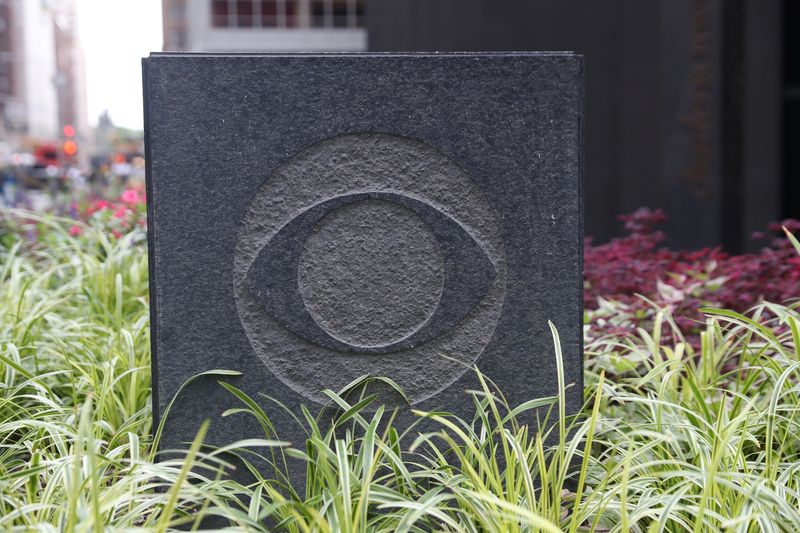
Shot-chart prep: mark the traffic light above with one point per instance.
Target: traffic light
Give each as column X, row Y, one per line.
column 70, row 148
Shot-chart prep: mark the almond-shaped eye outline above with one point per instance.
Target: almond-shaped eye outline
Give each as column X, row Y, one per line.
column 272, row 277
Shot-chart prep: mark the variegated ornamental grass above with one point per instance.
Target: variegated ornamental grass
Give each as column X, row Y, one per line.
column 681, row 434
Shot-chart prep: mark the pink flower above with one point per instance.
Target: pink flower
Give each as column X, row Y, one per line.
column 75, row 230
column 130, row 196
column 116, row 233
column 121, row 212
column 97, row 205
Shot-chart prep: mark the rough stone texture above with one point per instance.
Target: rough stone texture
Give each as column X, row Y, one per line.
column 371, row 274
column 315, row 218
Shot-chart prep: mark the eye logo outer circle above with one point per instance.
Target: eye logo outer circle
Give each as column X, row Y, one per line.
column 423, row 198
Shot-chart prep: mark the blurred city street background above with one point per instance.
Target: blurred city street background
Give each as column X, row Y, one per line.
column 692, row 106
column 70, row 99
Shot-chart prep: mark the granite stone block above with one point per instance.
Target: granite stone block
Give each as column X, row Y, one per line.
column 317, row 218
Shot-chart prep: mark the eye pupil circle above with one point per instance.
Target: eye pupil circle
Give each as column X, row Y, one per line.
column 371, row 273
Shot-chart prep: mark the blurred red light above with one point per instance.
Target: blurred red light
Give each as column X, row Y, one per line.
column 69, row 131
column 70, row 148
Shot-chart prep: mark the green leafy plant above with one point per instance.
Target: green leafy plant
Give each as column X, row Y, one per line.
column 674, row 435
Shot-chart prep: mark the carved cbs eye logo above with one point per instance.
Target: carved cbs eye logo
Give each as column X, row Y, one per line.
column 467, row 274
column 369, row 254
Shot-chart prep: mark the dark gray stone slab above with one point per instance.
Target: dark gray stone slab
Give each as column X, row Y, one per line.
column 315, row 218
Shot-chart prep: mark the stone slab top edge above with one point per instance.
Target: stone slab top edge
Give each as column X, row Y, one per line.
column 367, row 54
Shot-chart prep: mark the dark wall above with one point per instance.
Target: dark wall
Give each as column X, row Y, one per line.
column 672, row 109
column 791, row 115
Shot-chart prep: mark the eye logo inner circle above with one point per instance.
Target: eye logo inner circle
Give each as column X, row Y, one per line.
column 371, row 273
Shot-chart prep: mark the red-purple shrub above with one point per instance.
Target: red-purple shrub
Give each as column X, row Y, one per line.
column 683, row 281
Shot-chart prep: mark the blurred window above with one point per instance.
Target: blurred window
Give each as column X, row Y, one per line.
column 244, row 13
column 339, row 12
column 177, row 10
column 219, row 13
column 288, row 13
column 318, row 14
column 291, row 13
column 177, row 38
column 269, row 13
column 359, row 15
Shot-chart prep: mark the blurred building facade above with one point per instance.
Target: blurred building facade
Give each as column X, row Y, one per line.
column 685, row 103
column 692, row 106
column 11, row 100
column 42, row 74
column 70, row 78
column 264, row 25
column 29, row 100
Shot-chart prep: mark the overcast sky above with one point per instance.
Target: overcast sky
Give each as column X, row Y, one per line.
column 116, row 35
